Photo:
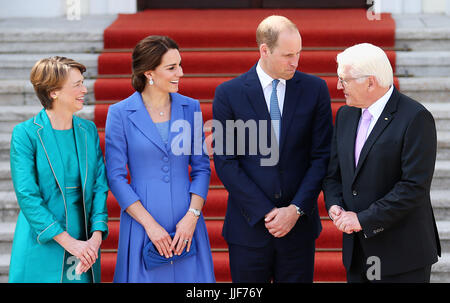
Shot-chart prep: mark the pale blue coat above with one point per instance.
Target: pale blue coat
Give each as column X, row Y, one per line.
column 160, row 180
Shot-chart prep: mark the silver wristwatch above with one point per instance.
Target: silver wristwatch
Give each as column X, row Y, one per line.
column 196, row 212
column 299, row 211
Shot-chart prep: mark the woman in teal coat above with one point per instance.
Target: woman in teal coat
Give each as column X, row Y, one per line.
column 59, row 178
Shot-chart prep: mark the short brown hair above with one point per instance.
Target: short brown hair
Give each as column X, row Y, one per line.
column 49, row 74
column 269, row 29
column 147, row 56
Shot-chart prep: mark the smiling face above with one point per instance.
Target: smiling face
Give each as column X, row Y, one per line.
column 71, row 95
column 282, row 61
column 167, row 75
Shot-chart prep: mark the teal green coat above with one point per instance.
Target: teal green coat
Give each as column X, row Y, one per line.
column 38, row 176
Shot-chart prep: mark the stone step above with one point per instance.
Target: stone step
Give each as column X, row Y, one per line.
column 441, row 177
column 6, row 236
column 57, row 35
column 426, row 89
column 5, row 177
column 443, row 141
column 21, row 92
column 444, row 235
column 441, row 114
column 4, row 267
column 5, row 140
column 10, row 116
column 439, row 110
column 9, row 208
column 443, row 137
column 422, row 31
column 440, row 200
column 423, row 63
column 440, row 271
column 18, row 66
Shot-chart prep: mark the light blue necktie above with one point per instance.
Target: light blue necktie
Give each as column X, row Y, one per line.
column 275, row 114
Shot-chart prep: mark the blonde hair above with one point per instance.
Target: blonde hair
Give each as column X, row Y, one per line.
column 366, row 59
column 49, row 74
column 269, row 29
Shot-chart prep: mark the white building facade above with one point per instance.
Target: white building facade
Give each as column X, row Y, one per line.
column 79, row 8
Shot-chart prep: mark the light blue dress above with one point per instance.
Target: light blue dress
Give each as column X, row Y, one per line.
column 161, row 180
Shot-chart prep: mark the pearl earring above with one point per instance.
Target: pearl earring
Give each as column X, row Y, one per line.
column 151, row 81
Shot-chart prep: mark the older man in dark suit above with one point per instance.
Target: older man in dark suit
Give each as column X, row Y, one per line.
column 272, row 219
column 377, row 190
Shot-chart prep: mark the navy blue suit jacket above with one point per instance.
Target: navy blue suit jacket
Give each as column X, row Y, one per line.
column 305, row 137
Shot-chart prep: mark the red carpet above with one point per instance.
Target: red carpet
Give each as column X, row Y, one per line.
column 216, row 48
column 198, row 63
column 218, row 28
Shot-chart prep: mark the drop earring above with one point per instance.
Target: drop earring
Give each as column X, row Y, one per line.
column 151, row 81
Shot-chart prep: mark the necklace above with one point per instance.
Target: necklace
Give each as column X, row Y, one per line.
column 161, row 112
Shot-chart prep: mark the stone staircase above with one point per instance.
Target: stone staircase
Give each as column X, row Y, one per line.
column 423, row 68
column 23, row 41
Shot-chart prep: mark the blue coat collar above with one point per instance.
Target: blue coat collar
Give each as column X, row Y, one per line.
column 140, row 117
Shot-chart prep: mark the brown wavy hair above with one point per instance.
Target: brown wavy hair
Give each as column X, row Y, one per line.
column 147, row 56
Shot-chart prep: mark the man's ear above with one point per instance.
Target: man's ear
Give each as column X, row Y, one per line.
column 264, row 50
column 372, row 84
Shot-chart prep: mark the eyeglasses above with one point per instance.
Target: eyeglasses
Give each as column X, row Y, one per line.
column 344, row 82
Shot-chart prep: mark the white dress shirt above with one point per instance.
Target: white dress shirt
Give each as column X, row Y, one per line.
column 377, row 108
column 266, row 84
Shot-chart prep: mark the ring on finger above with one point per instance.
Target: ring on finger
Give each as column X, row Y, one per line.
column 186, row 241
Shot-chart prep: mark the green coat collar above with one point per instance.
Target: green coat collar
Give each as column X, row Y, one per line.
column 48, row 141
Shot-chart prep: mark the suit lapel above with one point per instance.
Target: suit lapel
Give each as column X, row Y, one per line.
column 177, row 114
column 82, row 149
column 349, row 141
column 140, row 117
column 255, row 95
column 48, row 141
column 383, row 121
column 291, row 100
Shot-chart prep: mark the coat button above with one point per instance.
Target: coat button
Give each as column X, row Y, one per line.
column 354, row 193
column 165, row 168
column 277, row 196
column 166, row 179
column 165, row 159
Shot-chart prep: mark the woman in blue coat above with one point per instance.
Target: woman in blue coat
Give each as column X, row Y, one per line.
column 155, row 135
column 59, row 177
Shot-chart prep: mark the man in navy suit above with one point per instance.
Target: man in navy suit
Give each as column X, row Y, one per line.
column 272, row 218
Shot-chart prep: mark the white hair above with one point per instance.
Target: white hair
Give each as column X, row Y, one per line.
column 366, row 59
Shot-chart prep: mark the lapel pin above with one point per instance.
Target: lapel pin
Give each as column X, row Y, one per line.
column 386, row 118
